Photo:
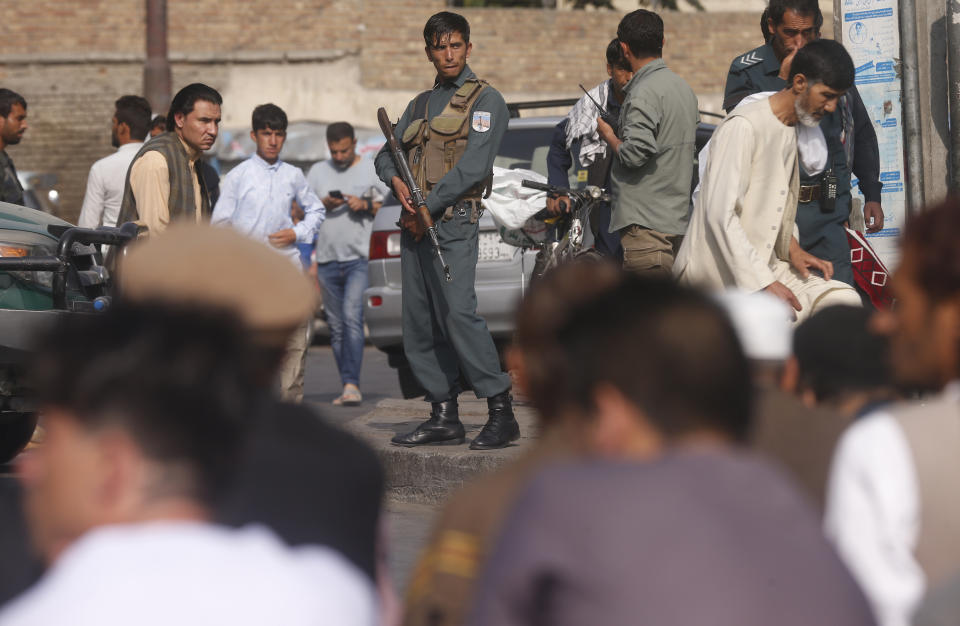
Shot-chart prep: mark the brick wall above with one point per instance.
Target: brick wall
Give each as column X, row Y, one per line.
column 112, row 26
column 69, row 111
column 524, row 50
column 71, row 60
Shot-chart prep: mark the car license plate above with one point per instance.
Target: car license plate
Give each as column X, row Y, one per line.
column 492, row 248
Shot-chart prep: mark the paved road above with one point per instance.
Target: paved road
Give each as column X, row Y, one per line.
column 408, row 528
column 408, row 524
column 322, row 382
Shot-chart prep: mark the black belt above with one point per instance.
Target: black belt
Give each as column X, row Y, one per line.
column 809, row 193
column 468, row 203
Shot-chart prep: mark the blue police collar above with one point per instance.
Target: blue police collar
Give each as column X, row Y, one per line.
column 458, row 82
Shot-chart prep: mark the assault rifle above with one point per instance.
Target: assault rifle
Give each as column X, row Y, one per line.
column 423, row 213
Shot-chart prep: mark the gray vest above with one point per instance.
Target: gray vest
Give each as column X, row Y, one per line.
column 181, row 203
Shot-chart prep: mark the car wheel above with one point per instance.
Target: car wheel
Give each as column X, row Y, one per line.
column 15, row 432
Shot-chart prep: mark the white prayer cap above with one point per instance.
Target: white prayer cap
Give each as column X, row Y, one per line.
column 763, row 322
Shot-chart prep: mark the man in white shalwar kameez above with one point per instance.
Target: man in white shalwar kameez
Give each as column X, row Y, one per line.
column 742, row 231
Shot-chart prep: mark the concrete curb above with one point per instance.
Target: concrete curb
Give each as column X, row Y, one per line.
column 428, row 473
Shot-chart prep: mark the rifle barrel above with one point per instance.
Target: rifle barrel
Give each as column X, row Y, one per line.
column 399, row 159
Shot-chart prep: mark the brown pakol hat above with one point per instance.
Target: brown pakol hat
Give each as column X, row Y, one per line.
column 194, row 264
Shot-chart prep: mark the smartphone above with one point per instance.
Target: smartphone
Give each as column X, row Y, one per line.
column 336, row 194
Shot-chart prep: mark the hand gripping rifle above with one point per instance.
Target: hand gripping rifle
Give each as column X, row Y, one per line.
column 423, row 213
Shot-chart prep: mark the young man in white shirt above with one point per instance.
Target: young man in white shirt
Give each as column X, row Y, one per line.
column 892, row 505
column 146, row 408
column 101, row 202
column 256, row 198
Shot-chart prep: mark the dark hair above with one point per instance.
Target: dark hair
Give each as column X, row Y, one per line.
column 445, row 23
column 824, row 61
column 836, row 353
column 764, row 29
column 806, row 8
column 552, row 300
column 339, row 130
column 173, row 378
column 134, row 111
column 9, row 98
column 615, row 55
column 642, row 31
column 158, row 121
column 269, row 116
column 185, row 99
column 669, row 349
column 931, row 238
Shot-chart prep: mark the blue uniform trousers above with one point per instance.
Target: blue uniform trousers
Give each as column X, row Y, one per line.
column 442, row 332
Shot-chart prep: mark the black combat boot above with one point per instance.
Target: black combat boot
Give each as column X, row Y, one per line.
column 501, row 427
column 443, row 427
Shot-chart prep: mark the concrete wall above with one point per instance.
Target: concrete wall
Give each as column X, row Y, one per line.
column 320, row 60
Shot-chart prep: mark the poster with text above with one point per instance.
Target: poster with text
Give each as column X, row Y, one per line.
column 870, row 32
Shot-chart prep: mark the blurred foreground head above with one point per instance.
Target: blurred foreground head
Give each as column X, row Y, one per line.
column 839, row 361
column 144, row 410
column 764, row 325
column 207, row 266
column 654, row 363
column 924, row 326
column 539, row 358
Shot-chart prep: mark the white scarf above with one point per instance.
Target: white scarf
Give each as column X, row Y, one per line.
column 811, row 145
column 582, row 125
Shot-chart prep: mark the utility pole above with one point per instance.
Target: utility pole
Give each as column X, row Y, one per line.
column 157, row 80
column 953, row 55
column 912, row 132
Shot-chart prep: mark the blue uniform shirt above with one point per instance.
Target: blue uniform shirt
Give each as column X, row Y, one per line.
column 482, row 145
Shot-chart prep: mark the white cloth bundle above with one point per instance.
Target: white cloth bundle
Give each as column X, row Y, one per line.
column 510, row 203
column 582, row 125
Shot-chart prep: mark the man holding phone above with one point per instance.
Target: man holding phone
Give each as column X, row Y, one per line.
column 348, row 186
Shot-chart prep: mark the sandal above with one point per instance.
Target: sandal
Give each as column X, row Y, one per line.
column 351, row 396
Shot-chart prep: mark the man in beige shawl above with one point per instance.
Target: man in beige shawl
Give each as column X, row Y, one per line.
column 742, row 232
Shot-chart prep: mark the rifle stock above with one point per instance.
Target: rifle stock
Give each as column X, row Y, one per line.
column 423, row 213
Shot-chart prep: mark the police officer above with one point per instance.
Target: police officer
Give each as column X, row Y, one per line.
column 824, row 202
column 450, row 134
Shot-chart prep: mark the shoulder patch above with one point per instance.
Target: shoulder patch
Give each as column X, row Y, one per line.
column 750, row 58
column 481, row 121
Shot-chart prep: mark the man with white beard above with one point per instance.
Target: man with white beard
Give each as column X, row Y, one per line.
column 743, row 232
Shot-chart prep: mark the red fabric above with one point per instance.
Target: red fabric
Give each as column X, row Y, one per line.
column 869, row 272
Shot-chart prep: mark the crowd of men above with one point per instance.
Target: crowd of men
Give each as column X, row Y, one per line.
column 727, row 435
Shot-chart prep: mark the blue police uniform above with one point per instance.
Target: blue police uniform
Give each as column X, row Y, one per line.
column 821, row 230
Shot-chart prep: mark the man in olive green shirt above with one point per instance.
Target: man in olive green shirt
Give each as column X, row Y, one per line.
column 654, row 155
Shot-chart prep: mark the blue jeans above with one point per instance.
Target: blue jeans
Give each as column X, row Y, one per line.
column 343, row 283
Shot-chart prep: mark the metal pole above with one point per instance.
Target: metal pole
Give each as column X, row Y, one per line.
column 953, row 79
column 910, row 96
column 838, row 20
column 157, row 80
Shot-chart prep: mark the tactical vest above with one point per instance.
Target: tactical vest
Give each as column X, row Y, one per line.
column 433, row 147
